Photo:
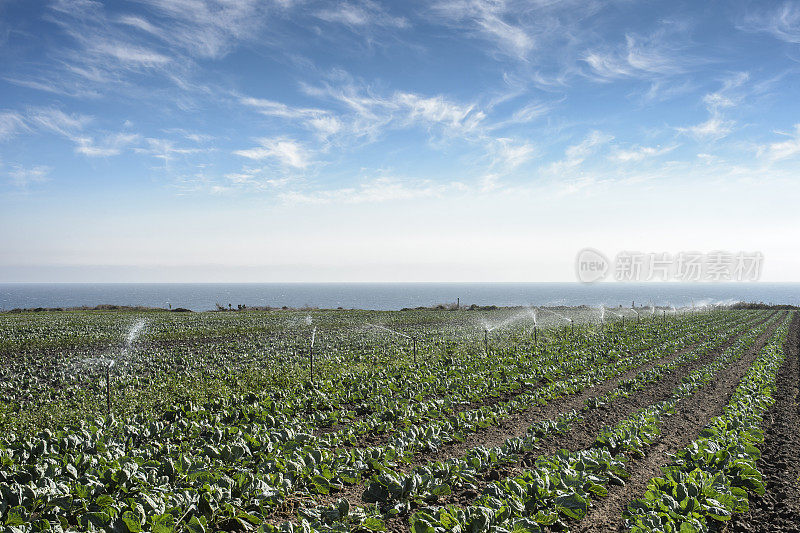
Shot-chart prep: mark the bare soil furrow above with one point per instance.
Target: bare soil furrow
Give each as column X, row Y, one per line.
column 678, row 430
column 580, row 436
column 583, row 433
column 779, row 509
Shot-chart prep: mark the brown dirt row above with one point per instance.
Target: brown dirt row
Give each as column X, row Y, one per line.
column 584, row 432
column 382, row 438
column 779, row 509
column 677, row 431
column 517, row 424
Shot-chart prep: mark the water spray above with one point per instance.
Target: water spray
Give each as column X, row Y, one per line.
column 413, row 339
column 108, row 386
column 389, row 330
column 533, row 314
column 562, row 317
column 311, row 352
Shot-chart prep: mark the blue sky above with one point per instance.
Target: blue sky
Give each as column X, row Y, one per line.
column 243, row 140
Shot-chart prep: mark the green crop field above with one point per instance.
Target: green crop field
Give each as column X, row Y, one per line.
column 431, row 420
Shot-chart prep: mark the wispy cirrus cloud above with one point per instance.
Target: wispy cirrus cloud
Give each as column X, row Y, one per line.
column 111, row 145
column 361, row 14
column 505, row 156
column 375, row 190
column 718, row 126
column 11, row 124
column 23, row 177
column 286, row 152
column 72, row 126
column 167, row 149
column 496, row 22
column 787, row 149
column 640, row 153
column 656, row 55
column 110, row 46
column 201, row 28
column 576, row 154
column 367, row 114
column 322, row 122
column 781, row 21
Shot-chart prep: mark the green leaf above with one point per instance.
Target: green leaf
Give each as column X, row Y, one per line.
column 131, row 522
column 573, row 506
column 374, row 524
column 197, row 525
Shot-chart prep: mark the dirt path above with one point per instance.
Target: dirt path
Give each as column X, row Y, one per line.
column 678, row 430
column 779, row 508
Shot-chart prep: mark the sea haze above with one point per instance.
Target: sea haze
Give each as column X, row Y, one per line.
column 387, row 296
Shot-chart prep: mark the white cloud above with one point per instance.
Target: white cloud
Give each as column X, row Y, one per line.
column 287, row 152
column 324, row 123
column 202, row 28
column 72, row 127
column 167, row 151
column 375, row 190
column 326, row 126
column 783, row 22
column 718, row 126
column 714, row 128
column 784, row 149
column 56, row 121
column 579, row 152
column 111, row 145
column 361, row 14
column 109, row 47
column 271, row 108
column 125, row 53
column 640, row 153
column 530, row 112
column 438, row 111
column 638, row 57
column 576, row 154
column 257, row 177
column 11, row 123
column 492, row 20
column 369, row 114
column 509, row 154
column 23, row 177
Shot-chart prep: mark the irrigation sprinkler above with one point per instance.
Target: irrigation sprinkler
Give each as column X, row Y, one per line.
column 486, row 341
column 311, row 352
column 414, row 344
column 637, row 314
column 108, row 387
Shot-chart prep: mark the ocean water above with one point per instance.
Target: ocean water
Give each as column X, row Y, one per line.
column 387, row 296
